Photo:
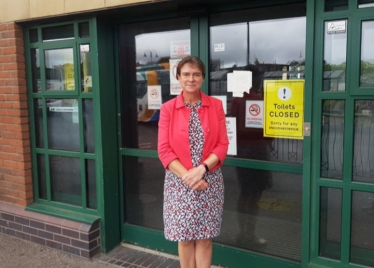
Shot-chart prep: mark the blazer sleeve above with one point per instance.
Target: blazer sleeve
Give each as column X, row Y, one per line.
column 223, row 142
column 165, row 152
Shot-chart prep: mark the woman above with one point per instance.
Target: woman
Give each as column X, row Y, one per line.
column 192, row 145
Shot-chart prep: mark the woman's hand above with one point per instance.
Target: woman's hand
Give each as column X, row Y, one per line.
column 194, row 178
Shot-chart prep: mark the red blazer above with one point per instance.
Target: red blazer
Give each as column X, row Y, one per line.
column 173, row 142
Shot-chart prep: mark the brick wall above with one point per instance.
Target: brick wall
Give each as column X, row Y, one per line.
column 15, row 158
column 75, row 238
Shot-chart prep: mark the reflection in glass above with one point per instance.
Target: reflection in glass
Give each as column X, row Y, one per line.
column 261, row 46
column 33, row 35
column 367, row 55
column 42, row 181
column 59, row 69
column 86, row 72
column 330, row 222
column 362, row 243
column 88, row 126
column 63, row 124
column 261, row 213
column 84, row 29
column 57, row 33
column 365, row 3
column 335, row 48
column 38, row 119
column 35, row 70
column 336, row 5
column 91, row 184
column 148, row 52
column 143, row 188
column 363, row 150
column 66, row 180
column 332, row 139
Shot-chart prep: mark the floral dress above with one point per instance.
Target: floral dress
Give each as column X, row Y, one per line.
column 189, row 214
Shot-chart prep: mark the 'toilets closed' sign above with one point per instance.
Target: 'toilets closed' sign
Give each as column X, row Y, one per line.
column 284, row 109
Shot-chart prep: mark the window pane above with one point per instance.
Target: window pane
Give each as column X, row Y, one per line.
column 63, row 124
column 66, row 180
column 262, row 212
column 365, row 3
column 84, row 29
column 59, row 69
column 39, row 127
column 143, row 188
column 86, row 72
column 336, row 5
column 91, row 184
column 265, row 205
column 57, row 33
column 367, row 55
column 362, row 243
column 149, row 52
column 332, row 139
column 363, row 159
column 88, row 126
column 42, row 182
column 35, row 70
column 33, row 34
column 334, row 62
column 262, row 47
column 330, row 223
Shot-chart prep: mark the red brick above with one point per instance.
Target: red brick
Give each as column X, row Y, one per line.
column 12, row 50
column 5, row 74
column 20, row 172
column 14, row 26
column 10, row 66
column 6, row 105
column 20, row 105
column 8, row 35
column 9, row 149
column 3, row 27
column 18, row 142
column 10, row 164
column 18, row 74
column 4, row 58
column 21, row 120
column 7, row 90
column 6, row 120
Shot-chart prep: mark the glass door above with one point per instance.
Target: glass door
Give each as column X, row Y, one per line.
column 149, row 52
column 263, row 177
column 343, row 186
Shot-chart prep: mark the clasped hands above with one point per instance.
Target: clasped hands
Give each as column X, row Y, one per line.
column 194, row 178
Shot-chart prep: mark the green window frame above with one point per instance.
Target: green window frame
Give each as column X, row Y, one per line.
column 81, row 201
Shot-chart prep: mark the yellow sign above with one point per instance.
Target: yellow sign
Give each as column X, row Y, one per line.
column 69, row 76
column 284, row 109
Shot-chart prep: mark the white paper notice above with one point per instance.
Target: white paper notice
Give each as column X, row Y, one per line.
column 180, row 48
column 230, row 82
column 254, row 114
column 242, row 81
column 175, row 87
column 231, row 134
column 224, row 102
column 154, row 97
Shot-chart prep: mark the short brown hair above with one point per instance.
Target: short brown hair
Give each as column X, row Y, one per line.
column 193, row 60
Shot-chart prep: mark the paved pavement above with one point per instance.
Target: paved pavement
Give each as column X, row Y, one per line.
column 16, row 253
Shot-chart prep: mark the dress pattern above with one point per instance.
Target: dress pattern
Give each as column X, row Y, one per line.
column 189, row 214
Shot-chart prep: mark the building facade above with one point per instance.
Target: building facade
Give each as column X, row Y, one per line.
column 80, row 90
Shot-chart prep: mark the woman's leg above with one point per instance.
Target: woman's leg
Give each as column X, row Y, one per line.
column 203, row 253
column 186, row 251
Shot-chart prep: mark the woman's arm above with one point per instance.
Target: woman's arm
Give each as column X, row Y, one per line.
column 220, row 149
column 165, row 152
